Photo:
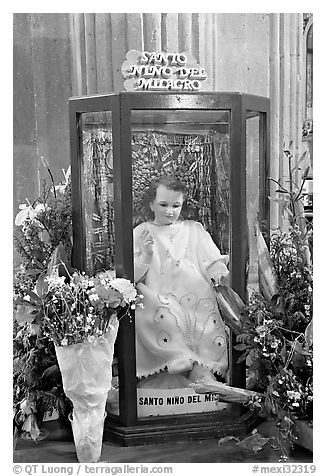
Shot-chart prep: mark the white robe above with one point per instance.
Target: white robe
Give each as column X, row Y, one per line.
column 179, row 323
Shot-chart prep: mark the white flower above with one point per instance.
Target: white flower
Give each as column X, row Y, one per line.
column 125, row 287
column 55, row 281
column 274, row 343
column 64, row 341
column 293, row 395
column 84, row 284
column 27, row 211
column 93, row 297
column 63, row 185
column 261, row 330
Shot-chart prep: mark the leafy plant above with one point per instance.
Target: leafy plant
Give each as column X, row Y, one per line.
column 43, row 232
column 40, row 227
column 276, row 338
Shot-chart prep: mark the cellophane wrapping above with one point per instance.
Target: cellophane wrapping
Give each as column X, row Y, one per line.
column 86, row 370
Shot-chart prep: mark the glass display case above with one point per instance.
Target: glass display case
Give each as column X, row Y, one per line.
column 217, row 145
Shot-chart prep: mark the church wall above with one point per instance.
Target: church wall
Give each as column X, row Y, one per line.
column 59, row 55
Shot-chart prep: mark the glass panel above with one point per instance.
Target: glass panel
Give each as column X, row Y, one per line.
column 97, row 183
column 252, row 192
column 179, row 325
column 196, row 151
column 98, row 190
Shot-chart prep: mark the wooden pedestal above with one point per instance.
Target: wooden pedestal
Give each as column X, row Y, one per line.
column 182, row 427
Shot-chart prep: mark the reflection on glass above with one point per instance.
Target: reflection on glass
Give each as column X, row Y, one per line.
column 180, row 333
column 98, row 190
column 252, row 192
column 196, row 151
column 97, row 183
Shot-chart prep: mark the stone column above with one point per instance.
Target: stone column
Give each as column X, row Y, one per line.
column 274, row 93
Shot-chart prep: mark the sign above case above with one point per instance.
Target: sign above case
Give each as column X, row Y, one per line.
column 153, row 71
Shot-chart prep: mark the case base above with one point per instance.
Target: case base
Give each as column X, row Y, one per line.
column 182, row 427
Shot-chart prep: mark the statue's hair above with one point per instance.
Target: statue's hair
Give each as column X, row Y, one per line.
column 170, row 182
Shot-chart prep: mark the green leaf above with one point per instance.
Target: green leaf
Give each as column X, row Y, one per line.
column 24, row 314
column 42, row 286
column 254, row 365
column 34, row 297
column 52, row 372
column 303, row 156
column 255, row 442
column 309, row 334
column 306, row 173
column 39, row 264
column 23, row 302
column 242, row 358
column 32, row 272
column 240, row 347
column 226, row 439
column 59, row 262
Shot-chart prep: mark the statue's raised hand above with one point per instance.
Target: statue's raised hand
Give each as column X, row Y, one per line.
column 147, row 244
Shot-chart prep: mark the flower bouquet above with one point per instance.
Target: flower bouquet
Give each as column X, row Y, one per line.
column 81, row 316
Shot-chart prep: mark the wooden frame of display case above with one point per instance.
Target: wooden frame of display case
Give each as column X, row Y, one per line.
column 127, row 428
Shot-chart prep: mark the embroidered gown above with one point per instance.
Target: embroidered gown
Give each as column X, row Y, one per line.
column 179, row 323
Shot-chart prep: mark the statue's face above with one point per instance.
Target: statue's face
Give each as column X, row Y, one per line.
column 166, row 206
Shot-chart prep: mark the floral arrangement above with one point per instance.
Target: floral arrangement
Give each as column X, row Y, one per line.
column 81, row 309
column 81, row 316
column 43, row 230
column 40, row 227
column 277, row 338
column 274, row 330
column 56, row 307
